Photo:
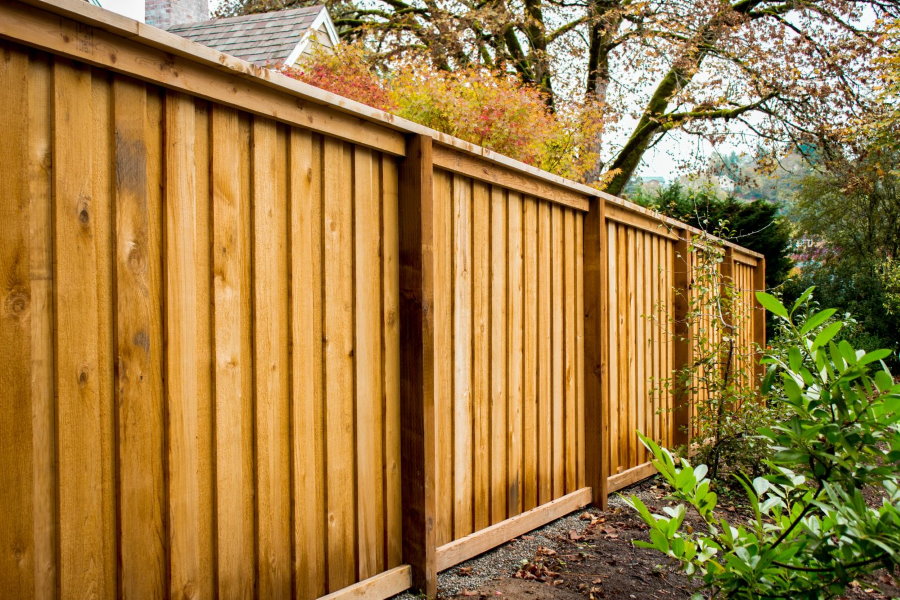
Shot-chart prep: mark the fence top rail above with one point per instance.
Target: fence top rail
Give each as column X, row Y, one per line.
column 172, row 44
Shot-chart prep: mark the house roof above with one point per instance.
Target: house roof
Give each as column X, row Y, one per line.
column 262, row 38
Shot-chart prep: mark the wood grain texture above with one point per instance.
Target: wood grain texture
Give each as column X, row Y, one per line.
column 421, row 214
column 498, row 342
column 17, row 450
column 232, row 306
column 308, row 391
column 339, row 365
column 139, row 347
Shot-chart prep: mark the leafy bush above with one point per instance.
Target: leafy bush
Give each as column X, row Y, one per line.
column 493, row 110
column 812, row 531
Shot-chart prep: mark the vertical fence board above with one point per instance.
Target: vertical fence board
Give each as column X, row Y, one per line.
column 17, row 569
column 568, row 265
column 443, row 359
column 308, row 391
column 544, row 366
column 529, row 369
column 233, row 358
column 339, row 365
column 78, row 223
column 514, row 353
column 139, row 384
column 462, row 356
column 481, row 365
column 369, row 443
column 498, row 341
column 393, row 507
column 39, row 152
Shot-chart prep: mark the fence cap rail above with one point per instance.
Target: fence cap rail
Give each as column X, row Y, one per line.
column 174, row 44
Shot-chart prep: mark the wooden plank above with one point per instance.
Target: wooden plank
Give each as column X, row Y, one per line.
column 77, row 224
column 462, row 356
column 645, row 222
column 102, row 184
column 17, row 346
column 38, row 151
column 339, row 365
column 594, row 316
column 558, row 350
column 418, row 247
column 619, row 407
column 381, row 586
column 187, row 372
column 97, row 47
column 368, row 355
column 632, row 343
column 631, row 476
column 390, row 222
column 443, row 349
column 640, row 344
column 481, row 352
column 481, row 541
column 571, row 424
column 271, row 360
column 612, row 344
column 515, row 313
column 139, row 342
column 759, row 317
column 682, row 339
column 307, row 368
column 477, row 168
column 233, row 355
column 529, row 369
column 498, row 355
column 580, row 447
column 545, row 376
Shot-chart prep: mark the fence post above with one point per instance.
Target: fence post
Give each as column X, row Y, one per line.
column 681, row 348
column 417, row 363
column 596, row 347
column 759, row 316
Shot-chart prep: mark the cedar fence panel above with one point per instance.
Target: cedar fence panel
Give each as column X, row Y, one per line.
column 262, row 341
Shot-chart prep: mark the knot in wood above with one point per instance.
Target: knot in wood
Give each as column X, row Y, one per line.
column 16, row 303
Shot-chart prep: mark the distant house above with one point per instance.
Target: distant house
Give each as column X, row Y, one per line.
column 266, row 39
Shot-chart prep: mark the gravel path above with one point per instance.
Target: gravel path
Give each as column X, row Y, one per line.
column 506, row 559
column 503, row 560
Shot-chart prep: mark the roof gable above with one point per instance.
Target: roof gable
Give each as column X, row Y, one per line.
column 262, row 38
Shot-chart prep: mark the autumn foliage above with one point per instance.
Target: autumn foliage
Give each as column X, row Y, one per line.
column 489, row 109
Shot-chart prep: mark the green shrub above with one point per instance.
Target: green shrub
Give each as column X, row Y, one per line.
column 812, row 531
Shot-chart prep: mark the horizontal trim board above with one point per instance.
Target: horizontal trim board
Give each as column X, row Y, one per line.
column 630, row 476
column 381, row 586
column 483, row 170
column 98, row 47
column 744, row 259
column 479, row 542
column 640, row 221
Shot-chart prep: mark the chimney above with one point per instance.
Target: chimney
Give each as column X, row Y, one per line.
column 165, row 13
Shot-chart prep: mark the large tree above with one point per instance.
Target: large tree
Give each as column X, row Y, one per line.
column 785, row 71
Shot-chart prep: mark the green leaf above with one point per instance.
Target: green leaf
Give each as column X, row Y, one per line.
column 817, row 319
column 873, row 356
column 803, row 298
column 826, row 334
column 772, row 304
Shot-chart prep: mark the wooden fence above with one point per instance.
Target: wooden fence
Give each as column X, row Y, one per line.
column 261, row 341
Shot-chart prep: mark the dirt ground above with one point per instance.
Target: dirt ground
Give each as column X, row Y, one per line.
column 589, row 555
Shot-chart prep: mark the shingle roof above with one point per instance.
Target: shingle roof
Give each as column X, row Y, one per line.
column 263, row 38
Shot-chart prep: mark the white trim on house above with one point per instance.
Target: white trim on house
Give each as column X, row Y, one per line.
column 323, row 18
